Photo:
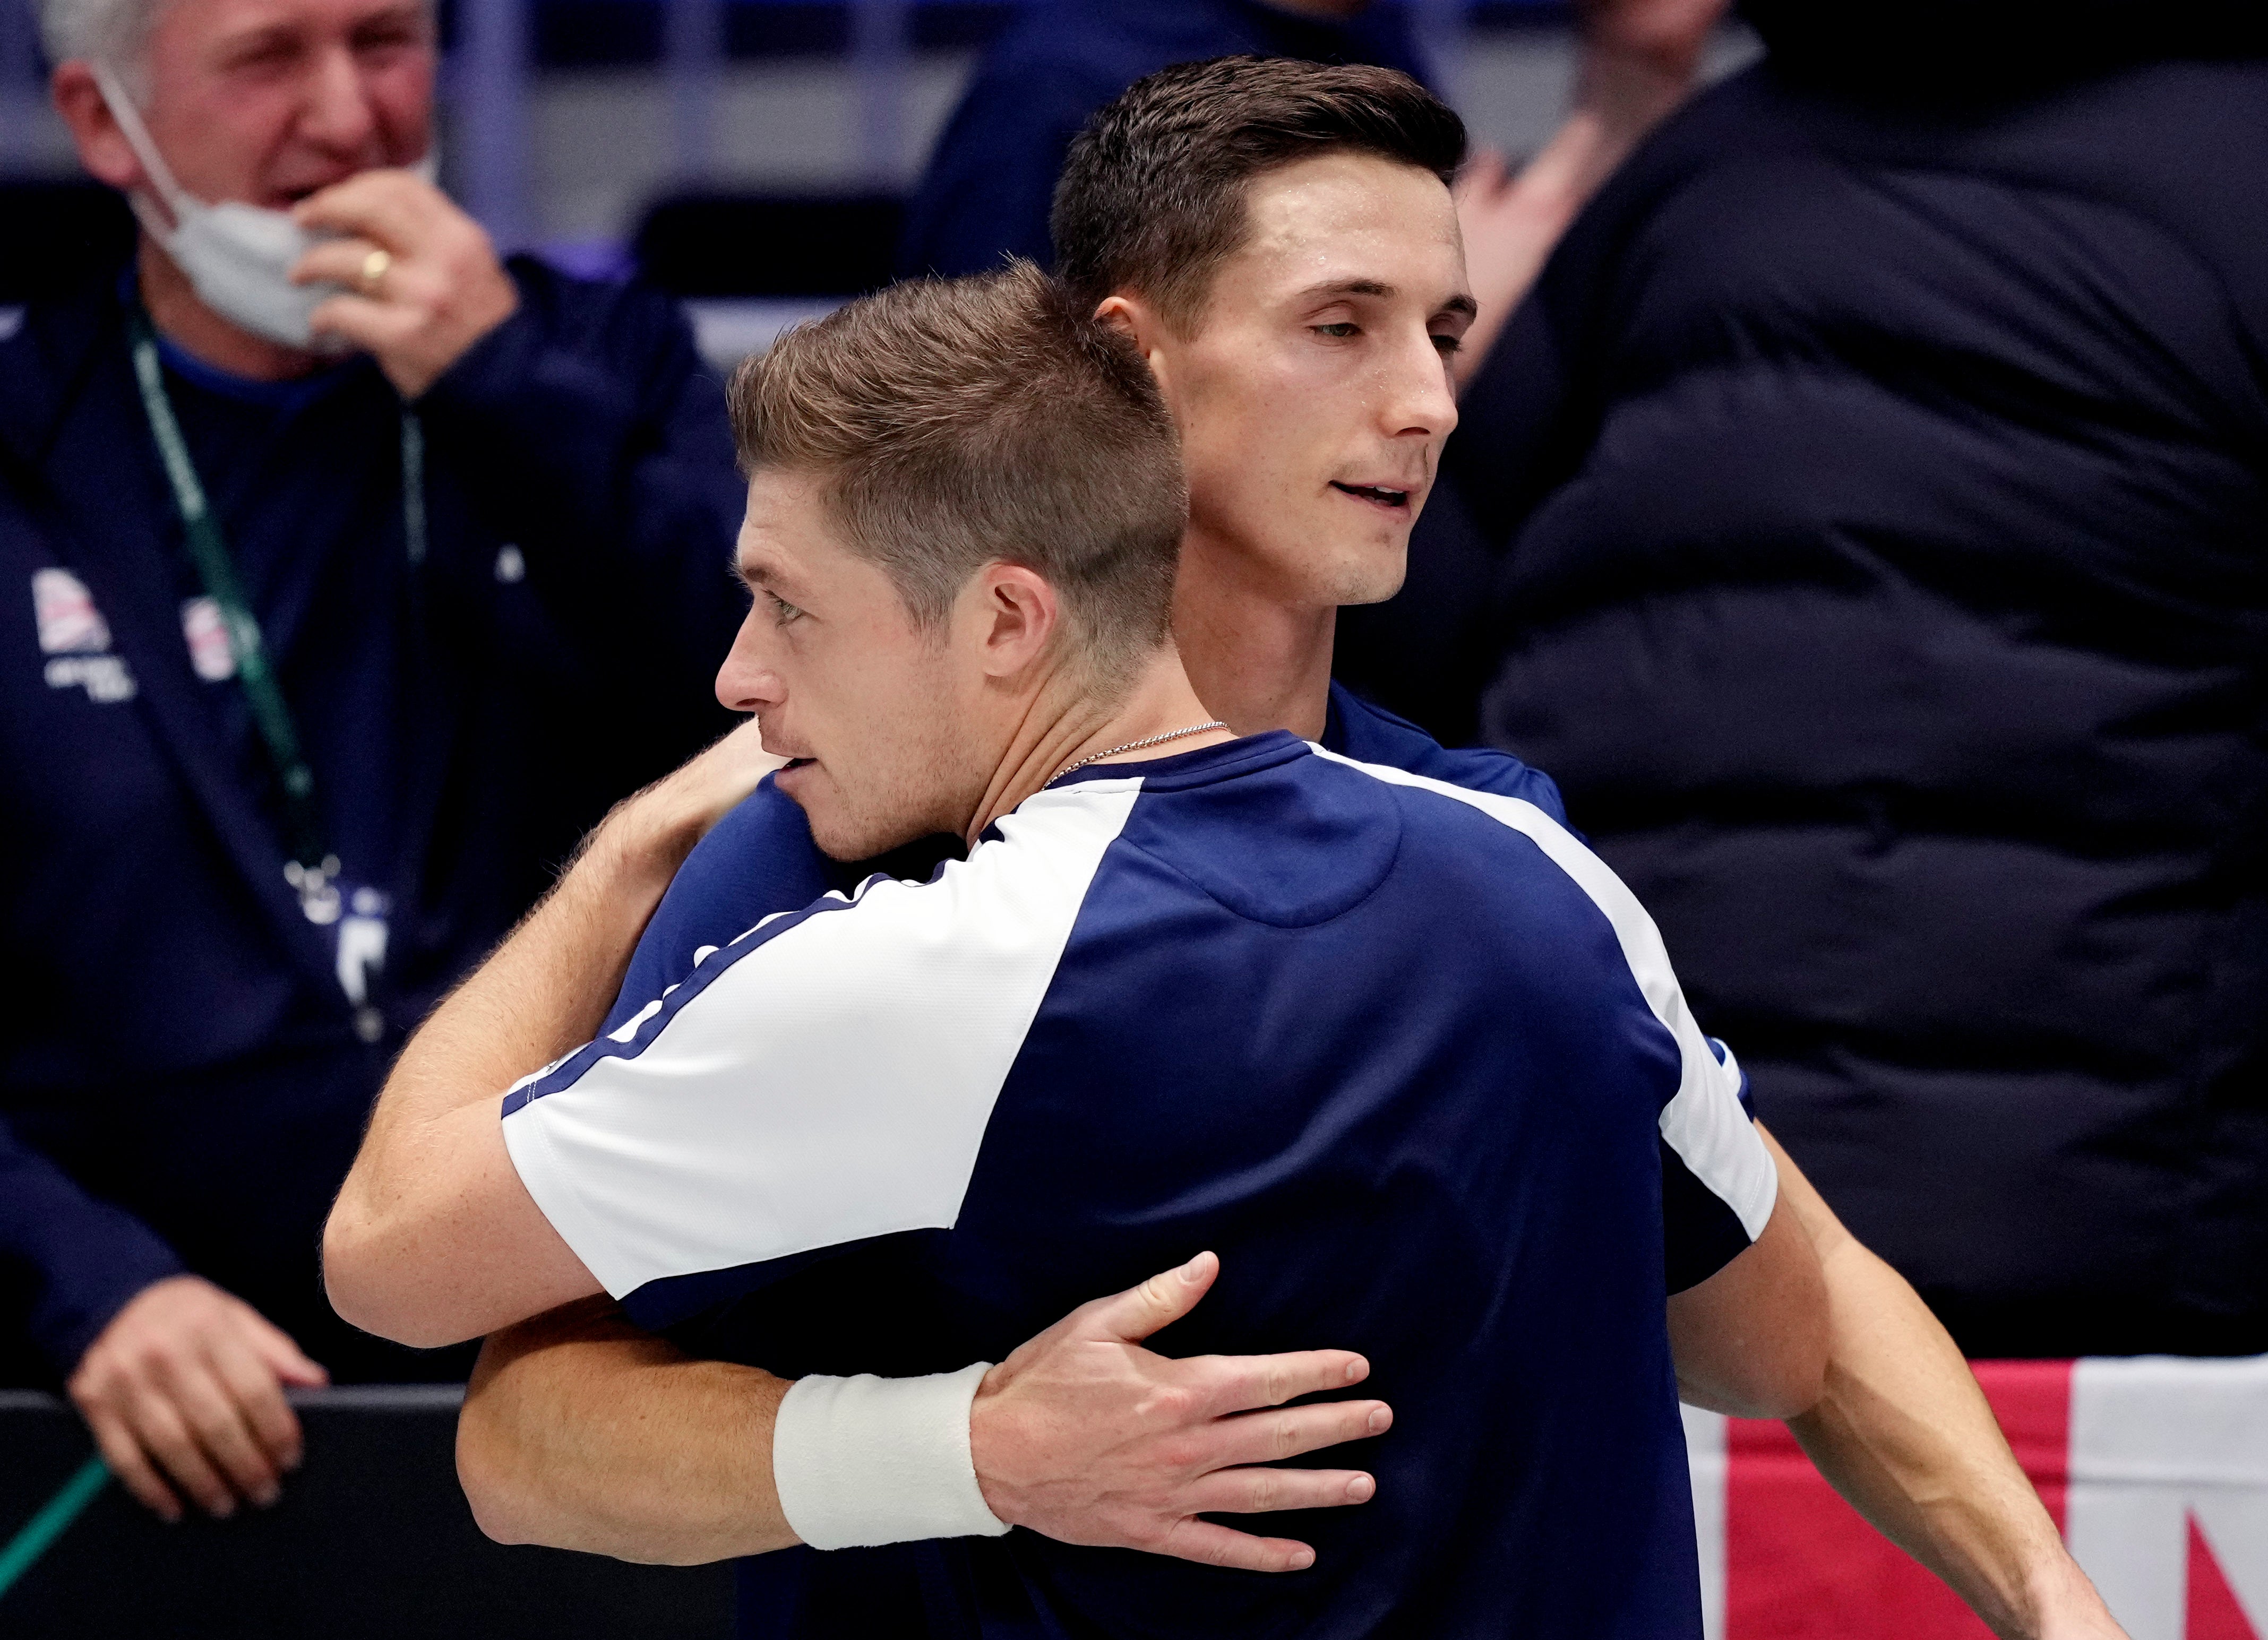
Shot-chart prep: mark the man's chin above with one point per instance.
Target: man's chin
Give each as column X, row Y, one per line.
column 1370, row 574
column 846, row 837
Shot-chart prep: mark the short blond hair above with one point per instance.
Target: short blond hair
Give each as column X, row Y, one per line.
column 959, row 422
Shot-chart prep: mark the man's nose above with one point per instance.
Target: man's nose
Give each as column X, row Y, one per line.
column 747, row 682
column 1418, row 397
column 338, row 113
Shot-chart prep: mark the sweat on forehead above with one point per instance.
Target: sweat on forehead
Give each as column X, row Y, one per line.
column 1152, row 199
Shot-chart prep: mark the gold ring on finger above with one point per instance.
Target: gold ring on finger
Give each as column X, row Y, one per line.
column 373, row 270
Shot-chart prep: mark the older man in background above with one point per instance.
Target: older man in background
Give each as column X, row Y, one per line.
column 355, row 572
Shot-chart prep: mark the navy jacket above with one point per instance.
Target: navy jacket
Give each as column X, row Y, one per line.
column 993, row 177
column 1888, row 589
column 184, row 1082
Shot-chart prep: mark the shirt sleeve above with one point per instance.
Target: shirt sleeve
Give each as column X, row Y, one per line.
column 758, row 860
column 824, row 1079
column 1702, row 1227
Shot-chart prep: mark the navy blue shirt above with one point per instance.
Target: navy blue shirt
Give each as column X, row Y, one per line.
column 760, row 860
column 992, row 176
column 189, row 1069
column 1402, row 1051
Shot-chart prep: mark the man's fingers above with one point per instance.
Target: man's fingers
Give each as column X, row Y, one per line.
column 222, row 1429
column 1219, row 1546
column 162, row 1433
column 1239, row 1383
column 1265, row 1492
column 259, row 1403
column 1163, row 1299
column 124, row 1455
column 338, row 261
column 390, row 207
column 284, row 1358
column 1273, row 1436
column 1484, row 173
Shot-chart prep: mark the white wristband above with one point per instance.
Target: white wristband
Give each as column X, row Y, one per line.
column 865, row 1460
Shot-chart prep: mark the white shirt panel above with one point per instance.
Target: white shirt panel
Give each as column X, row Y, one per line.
column 833, row 1082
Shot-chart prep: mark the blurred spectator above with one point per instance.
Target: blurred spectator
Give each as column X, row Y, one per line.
column 993, row 177
column 1884, row 460
column 272, row 783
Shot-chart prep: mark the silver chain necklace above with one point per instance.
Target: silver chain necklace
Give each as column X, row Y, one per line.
column 1135, row 745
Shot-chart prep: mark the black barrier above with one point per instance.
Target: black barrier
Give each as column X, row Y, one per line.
column 373, row 1538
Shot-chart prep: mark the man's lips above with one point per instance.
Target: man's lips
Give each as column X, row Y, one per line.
column 1393, row 498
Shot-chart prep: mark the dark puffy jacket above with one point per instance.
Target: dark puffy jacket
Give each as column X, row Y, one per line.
column 1889, row 592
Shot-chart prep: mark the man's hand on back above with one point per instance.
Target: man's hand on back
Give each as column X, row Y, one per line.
column 438, row 286
column 1086, row 1437
column 186, row 1386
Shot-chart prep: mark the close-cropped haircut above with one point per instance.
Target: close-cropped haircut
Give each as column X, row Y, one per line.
column 1152, row 199
column 958, row 422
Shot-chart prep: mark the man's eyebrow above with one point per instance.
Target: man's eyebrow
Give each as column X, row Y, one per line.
column 1460, row 303
column 256, row 39
column 1345, row 287
column 393, row 17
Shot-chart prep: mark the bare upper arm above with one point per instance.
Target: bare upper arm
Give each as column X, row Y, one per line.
column 467, row 1252
column 1752, row 1340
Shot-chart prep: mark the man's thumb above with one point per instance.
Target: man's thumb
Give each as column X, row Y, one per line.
column 1160, row 1301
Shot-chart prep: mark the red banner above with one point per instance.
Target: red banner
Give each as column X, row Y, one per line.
column 2156, row 1470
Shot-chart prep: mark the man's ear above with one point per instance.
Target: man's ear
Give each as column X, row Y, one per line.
column 1138, row 321
column 102, row 148
column 1016, row 614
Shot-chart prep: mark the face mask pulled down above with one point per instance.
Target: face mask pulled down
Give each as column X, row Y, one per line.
column 237, row 256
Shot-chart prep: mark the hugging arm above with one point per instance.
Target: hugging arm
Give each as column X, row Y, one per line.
column 434, row 1238
column 581, row 1431
column 1902, row 1430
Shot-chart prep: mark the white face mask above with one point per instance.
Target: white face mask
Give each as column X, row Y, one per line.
column 239, row 257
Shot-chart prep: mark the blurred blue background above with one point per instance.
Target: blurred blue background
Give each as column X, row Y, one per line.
column 563, row 119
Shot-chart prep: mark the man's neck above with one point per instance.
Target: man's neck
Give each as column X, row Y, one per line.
column 1064, row 724
column 182, row 319
column 1258, row 663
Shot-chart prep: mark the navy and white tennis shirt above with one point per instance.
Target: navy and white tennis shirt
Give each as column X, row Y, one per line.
column 1404, row 1053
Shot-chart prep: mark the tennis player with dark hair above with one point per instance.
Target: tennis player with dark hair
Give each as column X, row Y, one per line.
column 1196, row 216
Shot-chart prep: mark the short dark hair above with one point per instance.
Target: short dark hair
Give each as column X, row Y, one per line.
column 1152, row 198
column 957, row 422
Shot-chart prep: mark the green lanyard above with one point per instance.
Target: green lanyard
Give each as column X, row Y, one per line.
column 312, row 870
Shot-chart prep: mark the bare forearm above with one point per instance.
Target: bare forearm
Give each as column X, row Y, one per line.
column 433, row 1238
column 544, row 991
column 1904, row 1433
column 579, row 1431
column 548, row 986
